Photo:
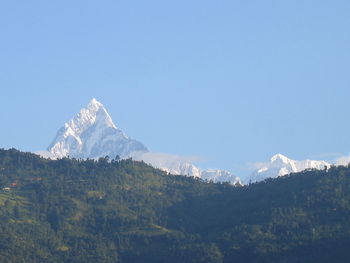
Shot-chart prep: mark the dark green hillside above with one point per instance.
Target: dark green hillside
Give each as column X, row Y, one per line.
column 125, row 211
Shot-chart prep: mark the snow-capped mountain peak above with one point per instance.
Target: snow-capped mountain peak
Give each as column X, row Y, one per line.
column 92, row 134
column 93, row 113
column 281, row 165
column 280, row 158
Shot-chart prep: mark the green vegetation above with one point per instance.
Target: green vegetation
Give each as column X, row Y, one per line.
column 125, row 211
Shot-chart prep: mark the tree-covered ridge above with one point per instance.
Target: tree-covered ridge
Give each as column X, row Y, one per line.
column 71, row 210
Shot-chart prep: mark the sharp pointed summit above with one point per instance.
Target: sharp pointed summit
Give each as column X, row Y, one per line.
column 280, row 157
column 95, row 111
column 92, row 134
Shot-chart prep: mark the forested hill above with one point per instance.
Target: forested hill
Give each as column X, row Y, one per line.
column 125, row 211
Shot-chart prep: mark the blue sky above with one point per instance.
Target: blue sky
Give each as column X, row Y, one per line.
column 232, row 82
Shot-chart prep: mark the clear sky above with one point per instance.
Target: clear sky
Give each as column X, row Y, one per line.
column 232, row 82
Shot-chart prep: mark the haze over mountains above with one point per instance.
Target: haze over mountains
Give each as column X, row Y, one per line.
column 93, row 134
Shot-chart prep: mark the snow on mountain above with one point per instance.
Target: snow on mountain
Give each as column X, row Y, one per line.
column 214, row 175
column 170, row 163
column 178, row 165
column 219, row 176
column 92, row 134
column 281, row 165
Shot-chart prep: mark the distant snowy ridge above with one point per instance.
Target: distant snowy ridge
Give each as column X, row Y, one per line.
column 92, row 134
column 176, row 165
column 220, row 176
column 281, row 165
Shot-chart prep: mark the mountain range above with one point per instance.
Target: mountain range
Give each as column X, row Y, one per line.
column 92, row 134
column 281, row 165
